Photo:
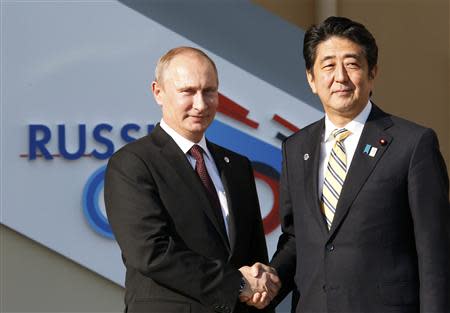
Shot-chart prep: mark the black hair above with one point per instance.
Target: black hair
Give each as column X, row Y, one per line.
column 339, row 27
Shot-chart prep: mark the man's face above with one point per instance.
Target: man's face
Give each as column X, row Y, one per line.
column 188, row 95
column 340, row 77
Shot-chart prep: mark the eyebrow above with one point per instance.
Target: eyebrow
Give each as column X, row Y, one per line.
column 186, row 88
column 348, row 55
column 189, row 88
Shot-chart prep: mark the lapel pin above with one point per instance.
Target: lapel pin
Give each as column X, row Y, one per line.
column 306, row 156
column 371, row 151
column 383, row 142
column 226, row 159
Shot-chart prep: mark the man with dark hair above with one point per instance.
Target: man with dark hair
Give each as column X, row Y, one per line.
column 185, row 211
column 364, row 200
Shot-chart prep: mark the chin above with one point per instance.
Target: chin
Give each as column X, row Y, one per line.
column 345, row 105
column 197, row 129
column 341, row 108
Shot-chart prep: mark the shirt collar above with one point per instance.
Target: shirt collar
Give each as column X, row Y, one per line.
column 355, row 126
column 184, row 144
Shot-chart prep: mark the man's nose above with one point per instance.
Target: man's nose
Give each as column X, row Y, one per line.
column 199, row 101
column 340, row 74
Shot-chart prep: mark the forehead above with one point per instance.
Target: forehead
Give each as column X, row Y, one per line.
column 338, row 47
column 190, row 66
column 189, row 60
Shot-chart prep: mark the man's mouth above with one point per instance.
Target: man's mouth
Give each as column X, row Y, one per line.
column 343, row 90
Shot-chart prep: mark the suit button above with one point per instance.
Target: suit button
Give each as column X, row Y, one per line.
column 332, row 288
column 324, row 288
column 330, row 247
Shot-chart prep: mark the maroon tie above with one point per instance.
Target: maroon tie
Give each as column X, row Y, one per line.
column 200, row 167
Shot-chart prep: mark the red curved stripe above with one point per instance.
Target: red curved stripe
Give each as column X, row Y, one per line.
column 235, row 111
column 285, row 123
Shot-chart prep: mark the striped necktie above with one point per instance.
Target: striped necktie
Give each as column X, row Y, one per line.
column 334, row 175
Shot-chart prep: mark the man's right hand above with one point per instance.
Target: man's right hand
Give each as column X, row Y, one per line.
column 261, row 285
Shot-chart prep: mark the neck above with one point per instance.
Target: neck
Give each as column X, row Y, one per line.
column 191, row 136
column 342, row 118
column 195, row 138
column 339, row 121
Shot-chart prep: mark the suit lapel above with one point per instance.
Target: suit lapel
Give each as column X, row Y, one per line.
column 311, row 171
column 363, row 164
column 225, row 172
column 183, row 169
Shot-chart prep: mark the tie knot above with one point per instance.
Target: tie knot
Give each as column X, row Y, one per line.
column 341, row 134
column 197, row 152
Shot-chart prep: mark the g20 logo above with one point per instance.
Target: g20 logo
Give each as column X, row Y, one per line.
column 266, row 159
column 92, row 201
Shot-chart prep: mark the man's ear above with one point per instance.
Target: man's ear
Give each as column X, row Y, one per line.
column 157, row 91
column 310, row 77
column 373, row 73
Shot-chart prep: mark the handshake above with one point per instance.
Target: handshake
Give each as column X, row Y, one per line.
column 261, row 285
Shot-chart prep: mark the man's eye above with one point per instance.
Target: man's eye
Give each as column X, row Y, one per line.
column 353, row 65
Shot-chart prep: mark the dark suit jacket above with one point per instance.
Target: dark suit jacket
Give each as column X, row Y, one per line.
column 176, row 256
column 388, row 247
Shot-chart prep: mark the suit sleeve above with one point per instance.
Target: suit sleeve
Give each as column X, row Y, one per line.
column 428, row 192
column 258, row 239
column 149, row 242
column 284, row 259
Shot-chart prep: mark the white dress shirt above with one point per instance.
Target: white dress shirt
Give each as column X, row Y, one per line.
column 355, row 127
column 185, row 145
